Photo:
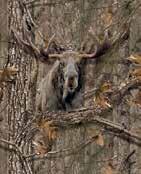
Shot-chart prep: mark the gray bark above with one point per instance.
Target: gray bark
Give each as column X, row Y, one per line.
column 71, row 21
column 3, row 57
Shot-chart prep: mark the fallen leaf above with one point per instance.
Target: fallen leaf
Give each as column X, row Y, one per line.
column 109, row 169
column 40, row 148
column 106, row 87
column 102, row 101
column 135, row 58
column 100, row 140
column 137, row 99
column 1, row 93
column 92, row 131
column 136, row 73
column 49, row 130
column 8, row 74
column 107, row 17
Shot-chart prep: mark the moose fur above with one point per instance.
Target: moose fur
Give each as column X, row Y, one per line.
column 61, row 88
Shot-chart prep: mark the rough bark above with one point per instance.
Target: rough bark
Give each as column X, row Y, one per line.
column 75, row 150
column 3, row 104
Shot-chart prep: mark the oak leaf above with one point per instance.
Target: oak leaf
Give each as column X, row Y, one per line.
column 109, row 169
column 8, row 74
column 49, row 130
column 135, row 58
column 102, row 101
column 107, row 17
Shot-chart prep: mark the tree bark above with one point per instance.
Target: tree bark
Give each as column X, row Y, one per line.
column 76, row 150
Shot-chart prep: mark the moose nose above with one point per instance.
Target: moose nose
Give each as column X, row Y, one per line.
column 71, row 82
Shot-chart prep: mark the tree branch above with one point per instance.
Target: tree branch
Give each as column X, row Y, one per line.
column 13, row 147
column 63, row 152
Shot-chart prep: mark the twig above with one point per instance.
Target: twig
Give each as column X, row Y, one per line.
column 63, row 152
column 15, row 148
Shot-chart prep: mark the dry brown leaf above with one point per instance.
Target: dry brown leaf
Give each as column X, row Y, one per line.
column 136, row 73
column 1, row 93
column 100, row 96
column 109, row 169
column 101, row 101
column 8, row 73
column 100, row 140
column 48, row 130
column 92, row 131
column 137, row 100
column 107, row 17
column 106, row 87
column 135, row 58
column 136, row 130
column 42, row 140
column 40, row 148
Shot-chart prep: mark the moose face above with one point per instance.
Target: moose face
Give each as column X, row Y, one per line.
column 62, row 83
column 71, row 78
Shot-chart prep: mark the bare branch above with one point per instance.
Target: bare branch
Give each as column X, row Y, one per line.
column 27, row 47
column 13, row 147
column 91, row 115
column 63, row 152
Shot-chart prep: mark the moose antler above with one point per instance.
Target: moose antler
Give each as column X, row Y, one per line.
column 100, row 48
column 43, row 54
column 99, row 51
column 30, row 48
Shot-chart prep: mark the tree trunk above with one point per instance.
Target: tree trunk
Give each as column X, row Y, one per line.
column 3, row 57
column 71, row 21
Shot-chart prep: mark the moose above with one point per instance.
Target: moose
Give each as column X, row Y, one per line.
column 60, row 89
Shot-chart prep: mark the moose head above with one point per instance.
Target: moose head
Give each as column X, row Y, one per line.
column 60, row 88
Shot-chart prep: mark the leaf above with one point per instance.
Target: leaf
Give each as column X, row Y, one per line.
column 100, row 140
column 135, row 58
column 122, row 84
column 106, row 87
column 137, row 100
column 42, row 142
column 1, row 93
column 8, row 74
column 136, row 73
column 109, row 169
column 101, row 101
column 92, row 131
column 40, row 148
column 100, row 98
column 107, row 17
column 48, row 130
